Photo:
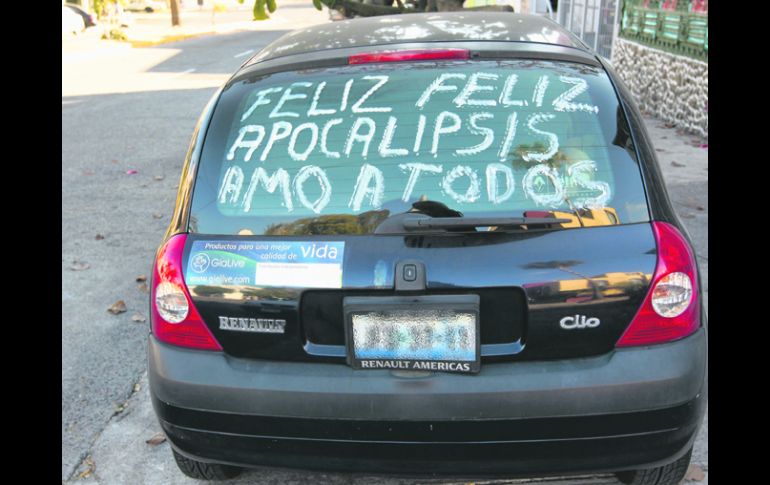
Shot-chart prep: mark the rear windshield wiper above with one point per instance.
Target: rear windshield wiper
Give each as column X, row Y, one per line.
column 416, row 222
column 429, row 216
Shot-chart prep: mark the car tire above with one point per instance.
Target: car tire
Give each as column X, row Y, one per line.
column 205, row 471
column 670, row 474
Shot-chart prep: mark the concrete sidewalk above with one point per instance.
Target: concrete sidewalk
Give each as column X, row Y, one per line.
column 155, row 28
column 149, row 29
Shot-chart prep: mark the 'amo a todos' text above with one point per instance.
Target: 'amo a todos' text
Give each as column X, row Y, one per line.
column 499, row 185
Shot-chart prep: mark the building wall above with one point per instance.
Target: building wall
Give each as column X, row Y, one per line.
column 673, row 88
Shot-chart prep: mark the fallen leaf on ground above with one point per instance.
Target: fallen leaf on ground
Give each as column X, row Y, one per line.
column 157, row 216
column 690, row 204
column 132, row 172
column 694, row 473
column 99, row 237
column 137, row 387
column 79, row 266
column 159, row 177
column 138, row 317
column 90, row 467
column 669, row 125
column 143, row 287
column 141, row 278
column 677, row 164
column 117, row 307
column 157, row 439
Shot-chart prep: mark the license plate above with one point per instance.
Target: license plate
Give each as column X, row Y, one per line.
column 422, row 333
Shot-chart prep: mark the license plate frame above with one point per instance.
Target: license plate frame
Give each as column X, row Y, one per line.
column 437, row 310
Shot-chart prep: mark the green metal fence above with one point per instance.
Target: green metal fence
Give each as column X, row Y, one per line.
column 677, row 27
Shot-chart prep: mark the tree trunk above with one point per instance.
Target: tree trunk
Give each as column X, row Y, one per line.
column 175, row 13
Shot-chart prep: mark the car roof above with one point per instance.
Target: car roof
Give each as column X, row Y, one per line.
column 422, row 27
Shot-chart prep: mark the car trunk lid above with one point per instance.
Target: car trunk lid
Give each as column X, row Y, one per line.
column 543, row 293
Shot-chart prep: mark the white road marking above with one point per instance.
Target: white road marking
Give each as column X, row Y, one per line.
column 180, row 74
column 244, row 53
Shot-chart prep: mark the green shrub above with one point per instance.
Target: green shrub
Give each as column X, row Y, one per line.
column 115, row 34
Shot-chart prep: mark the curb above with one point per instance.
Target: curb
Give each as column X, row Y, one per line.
column 167, row 39
column 138, row 43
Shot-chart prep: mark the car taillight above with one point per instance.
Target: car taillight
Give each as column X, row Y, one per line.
column 409, row 55
column 671, row 309
column 174, row 317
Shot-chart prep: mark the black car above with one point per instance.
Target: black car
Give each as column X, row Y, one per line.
column 428, row 244
column 88, row 19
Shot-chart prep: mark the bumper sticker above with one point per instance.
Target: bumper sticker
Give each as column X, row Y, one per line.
column 300, row 264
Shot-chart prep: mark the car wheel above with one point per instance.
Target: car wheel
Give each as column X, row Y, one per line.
column 670, row 474
column 205, row 471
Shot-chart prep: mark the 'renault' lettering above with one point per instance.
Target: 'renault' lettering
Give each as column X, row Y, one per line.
column 257, row 325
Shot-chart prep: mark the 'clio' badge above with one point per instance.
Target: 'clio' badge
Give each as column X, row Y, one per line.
column 578, row 321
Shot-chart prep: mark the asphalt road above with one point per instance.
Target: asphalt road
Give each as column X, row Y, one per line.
column 123, row 110
column 127, row 117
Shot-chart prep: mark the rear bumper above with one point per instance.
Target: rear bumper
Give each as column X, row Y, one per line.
column 628, row 409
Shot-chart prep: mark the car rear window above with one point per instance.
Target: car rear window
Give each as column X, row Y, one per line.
column 338, row 150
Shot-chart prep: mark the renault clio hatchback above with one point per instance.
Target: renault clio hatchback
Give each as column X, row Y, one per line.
column 427, row 244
